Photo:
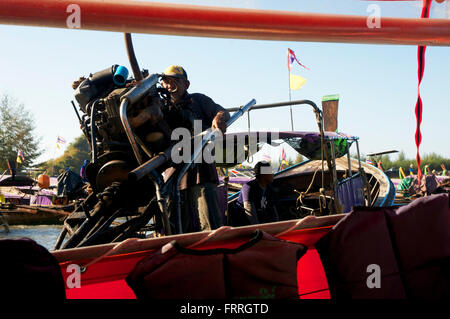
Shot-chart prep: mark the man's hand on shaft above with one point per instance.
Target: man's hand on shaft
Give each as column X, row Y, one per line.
column 220, row 121
column 77, row 83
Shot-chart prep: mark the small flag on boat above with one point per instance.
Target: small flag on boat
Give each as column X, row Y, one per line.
column 234, row 172
column 20, row 157
column 401, row 173
column 291, row 58
column 283, row 155
column 60, row 140
column 369, row 161
column 296, row 81
column 283, row 165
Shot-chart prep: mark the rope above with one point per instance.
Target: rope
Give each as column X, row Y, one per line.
column 314, row 176
column 302, row 194
column 168, row 246
column 211, row 235
column 115, row 248
column 300, row 221
column 322, row 199
column 222, row 229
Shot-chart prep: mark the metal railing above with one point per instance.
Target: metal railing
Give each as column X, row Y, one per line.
column 317, row 111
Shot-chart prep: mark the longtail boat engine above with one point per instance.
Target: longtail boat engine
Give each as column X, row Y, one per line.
column 119, row 113
column 130, row 145
column 112, row 196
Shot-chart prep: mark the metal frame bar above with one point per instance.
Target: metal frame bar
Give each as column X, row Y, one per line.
column 349, row 161
column 319, row 119
column 337, row 203
column 280, row 104
column 357, row 151
column 364, row 176
column 219, row 22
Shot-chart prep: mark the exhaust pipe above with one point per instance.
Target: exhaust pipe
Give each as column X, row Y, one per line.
column 132, row 58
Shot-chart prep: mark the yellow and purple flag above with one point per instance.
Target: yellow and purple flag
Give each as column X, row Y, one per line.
column 20, row 157
column 60, row 140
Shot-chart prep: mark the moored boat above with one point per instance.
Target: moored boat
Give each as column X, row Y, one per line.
column 303, row 186
column 105, row 267
column 332, row 266
column 34, row 214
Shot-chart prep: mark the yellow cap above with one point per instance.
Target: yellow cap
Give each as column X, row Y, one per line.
column 175, row 71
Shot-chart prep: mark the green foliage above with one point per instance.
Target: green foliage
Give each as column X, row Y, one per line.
column 16, row 133
column 298, row 159
column 73, row 157
column 290, row 162
column 433, row 160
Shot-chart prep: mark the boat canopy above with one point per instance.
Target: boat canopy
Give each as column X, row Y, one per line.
column 305, row 143
column 19, row 180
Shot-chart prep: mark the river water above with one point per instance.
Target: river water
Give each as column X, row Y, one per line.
column 44, row 235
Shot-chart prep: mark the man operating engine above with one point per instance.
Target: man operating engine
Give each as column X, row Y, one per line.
column 199, row 203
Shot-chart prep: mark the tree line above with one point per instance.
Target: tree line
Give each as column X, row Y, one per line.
column 433, row 160
column 74, row 156
column 17, row 134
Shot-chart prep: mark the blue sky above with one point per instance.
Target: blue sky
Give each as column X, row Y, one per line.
column 377, row 84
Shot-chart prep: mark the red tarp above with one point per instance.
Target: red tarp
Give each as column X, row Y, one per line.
column 106, row 278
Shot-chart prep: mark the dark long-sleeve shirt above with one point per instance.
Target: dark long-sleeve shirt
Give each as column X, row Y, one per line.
column 258, row 203
column 195, row 106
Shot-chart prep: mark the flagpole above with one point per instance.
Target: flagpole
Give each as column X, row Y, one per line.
column 290, row 106
column 291, row 58
column 53, row 157
column 53, row 160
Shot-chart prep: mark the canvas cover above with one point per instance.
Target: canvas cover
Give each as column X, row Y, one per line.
column 69, row 183
column 351, row 192
column 105, row 279
column 410, row 245
column 263, row 267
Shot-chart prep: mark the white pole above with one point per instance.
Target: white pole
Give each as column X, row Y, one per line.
column 290, row 106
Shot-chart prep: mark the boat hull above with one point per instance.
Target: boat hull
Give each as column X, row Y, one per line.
column 20, row 217
column 105, row 279
column 34, row 215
